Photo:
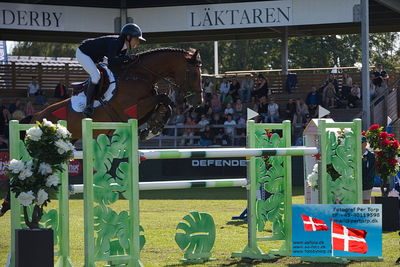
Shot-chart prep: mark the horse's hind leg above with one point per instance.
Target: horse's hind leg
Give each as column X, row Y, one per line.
column 158, row 119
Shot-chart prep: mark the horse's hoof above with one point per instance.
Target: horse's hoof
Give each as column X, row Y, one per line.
column 144, row 134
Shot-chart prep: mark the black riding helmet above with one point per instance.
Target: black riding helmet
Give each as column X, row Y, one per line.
column 131, row 30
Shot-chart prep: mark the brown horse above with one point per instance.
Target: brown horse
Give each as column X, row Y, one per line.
column 136, row 96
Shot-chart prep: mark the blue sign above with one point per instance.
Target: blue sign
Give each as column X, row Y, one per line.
column 337, row 230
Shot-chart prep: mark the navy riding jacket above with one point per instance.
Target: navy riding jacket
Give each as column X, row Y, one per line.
column 109, row 46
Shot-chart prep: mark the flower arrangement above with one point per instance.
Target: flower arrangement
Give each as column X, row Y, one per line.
column 312, row 178
column 33, row 182
column 386, row 149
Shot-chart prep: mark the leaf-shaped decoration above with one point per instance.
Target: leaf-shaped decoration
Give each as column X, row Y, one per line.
column 103, row 191
column 102, row 155
column 196, row 236
column 23, row 153
column 118, row 143
column 104, row 225
column 122, row 178
column 123, row 233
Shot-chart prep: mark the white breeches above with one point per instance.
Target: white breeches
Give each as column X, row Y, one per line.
column 88, row 65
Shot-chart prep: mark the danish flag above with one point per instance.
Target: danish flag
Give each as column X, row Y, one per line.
column 348, row 239
column 312, row 224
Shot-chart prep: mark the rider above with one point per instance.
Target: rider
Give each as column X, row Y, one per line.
column 92, row 51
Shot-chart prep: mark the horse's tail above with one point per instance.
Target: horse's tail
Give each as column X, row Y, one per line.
column 26, row 120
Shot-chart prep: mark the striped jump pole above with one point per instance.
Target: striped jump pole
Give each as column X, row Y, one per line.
column 226, row 152
column 185, row 184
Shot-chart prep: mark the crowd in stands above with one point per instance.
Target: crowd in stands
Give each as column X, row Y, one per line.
column 221, row 119
column 22, row 107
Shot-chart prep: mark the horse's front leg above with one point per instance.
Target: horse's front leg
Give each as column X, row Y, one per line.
column 158, row 118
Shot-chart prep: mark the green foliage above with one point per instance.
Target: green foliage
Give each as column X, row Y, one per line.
column 310, row 51
column 196, row 236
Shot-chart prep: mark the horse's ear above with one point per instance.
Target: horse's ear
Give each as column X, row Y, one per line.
column 196, row 56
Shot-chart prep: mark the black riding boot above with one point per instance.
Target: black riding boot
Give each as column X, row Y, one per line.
column 90, row 93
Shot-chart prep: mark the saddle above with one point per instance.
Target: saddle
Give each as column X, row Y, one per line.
column 101, row 88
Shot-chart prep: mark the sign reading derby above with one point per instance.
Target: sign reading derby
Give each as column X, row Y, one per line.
column 239, row 15
column 35, row 17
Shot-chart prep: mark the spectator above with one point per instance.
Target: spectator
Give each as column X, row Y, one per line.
column 313, row 100
column 228, row 99
column 203, row 122
column 301, row 112
column 217, row 131
column 14, row 106
column 273, row 112
column 347, row 85
column 381, row 78
column 372, row 87
column 224, row 88
column 331, row 79
column 355, row 95
column 229, row 130
column 178, row 119
column 33, row 87
column 228, row 109
column 234, row 88
column 262, row 87
column 263, row 108
column 207, row 88
column 188, row 132
column 290, row 109
column 329, row 95
column 61, row 90
column 368, row 171
column 29, row 110
column 246, row 89
column 216, row 104
column 206, row 137
column 239, row 110
column 5, row 117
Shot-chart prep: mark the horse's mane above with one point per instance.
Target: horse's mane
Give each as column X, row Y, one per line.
column 156, row 51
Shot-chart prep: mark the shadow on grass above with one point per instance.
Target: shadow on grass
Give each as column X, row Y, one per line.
column 237, row 223
column 248, row 262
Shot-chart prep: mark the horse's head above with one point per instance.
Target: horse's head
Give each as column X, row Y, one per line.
column 190, row 78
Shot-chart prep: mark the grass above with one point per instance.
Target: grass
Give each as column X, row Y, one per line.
column 162, row 210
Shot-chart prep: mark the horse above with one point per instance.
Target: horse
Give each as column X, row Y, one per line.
column 136, row 95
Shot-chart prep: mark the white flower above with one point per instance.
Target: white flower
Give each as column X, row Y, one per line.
column 45, row 168
column 62, row 146
column 16, row 166
column 52, row 180
column 25, row 173
column 26, row 198
column 62, row 131
column 34, row 133
column 47, row 123
column 42, row 196
column 312, row 178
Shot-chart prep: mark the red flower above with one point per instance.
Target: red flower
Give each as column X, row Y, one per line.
column 392, row 162
column 384, row 143
column 395, row 144
column 379, row 154
column 363, row 133
column 383, row 135
column 390, row 135
column 269, row 135
column 373, row 127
